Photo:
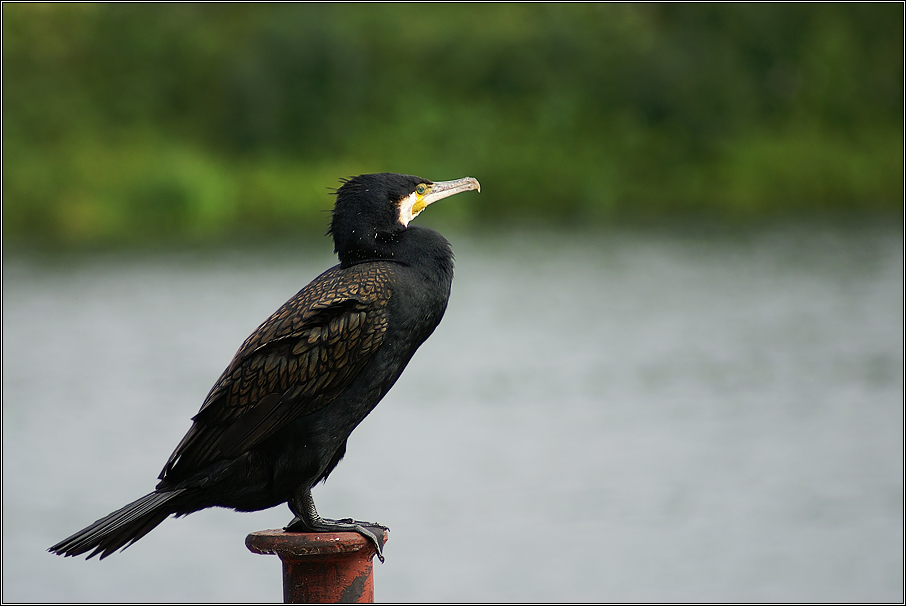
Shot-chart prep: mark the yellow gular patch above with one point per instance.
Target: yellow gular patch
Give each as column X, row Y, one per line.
column 419, row 206
column 413, row 204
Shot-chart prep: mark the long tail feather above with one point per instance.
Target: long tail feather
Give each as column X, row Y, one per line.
column 122, row 527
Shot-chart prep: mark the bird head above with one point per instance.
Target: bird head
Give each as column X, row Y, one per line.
column 372, row 209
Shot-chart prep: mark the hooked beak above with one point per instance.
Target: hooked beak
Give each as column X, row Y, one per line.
column 411, row 206
column 443, row 189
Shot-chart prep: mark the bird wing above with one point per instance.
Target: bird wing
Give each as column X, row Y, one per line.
column 296, row 363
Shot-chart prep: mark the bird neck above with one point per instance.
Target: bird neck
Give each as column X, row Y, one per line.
column 415, row 246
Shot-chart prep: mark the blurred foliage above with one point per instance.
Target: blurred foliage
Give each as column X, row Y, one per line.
column 130, row 123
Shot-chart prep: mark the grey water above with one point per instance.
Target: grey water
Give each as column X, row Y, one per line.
column 608, row 416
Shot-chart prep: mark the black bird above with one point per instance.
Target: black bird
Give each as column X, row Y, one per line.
column 277, row 420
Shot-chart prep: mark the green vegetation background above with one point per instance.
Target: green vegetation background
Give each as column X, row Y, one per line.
column 144, row 123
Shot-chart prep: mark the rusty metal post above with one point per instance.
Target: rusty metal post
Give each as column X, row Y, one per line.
column 321, row 567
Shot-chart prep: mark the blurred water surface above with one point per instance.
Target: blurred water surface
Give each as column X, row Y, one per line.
column 600, row 417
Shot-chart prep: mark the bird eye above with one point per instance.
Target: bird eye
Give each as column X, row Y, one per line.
column 421, row 189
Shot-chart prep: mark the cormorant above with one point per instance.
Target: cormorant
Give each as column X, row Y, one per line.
column 277, row 420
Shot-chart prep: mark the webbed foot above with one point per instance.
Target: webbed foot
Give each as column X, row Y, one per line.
column 308, row 520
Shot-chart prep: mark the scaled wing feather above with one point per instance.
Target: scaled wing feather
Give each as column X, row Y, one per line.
column 297, row 362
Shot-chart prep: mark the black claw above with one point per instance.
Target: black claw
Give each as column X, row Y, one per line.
column 296, row 525
column 364, row 528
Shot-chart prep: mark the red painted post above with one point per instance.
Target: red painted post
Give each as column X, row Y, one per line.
column 321, row 567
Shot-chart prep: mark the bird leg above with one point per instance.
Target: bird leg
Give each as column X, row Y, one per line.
column 308, row 520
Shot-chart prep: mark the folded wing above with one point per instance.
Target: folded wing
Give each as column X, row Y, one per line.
column 296, row 363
